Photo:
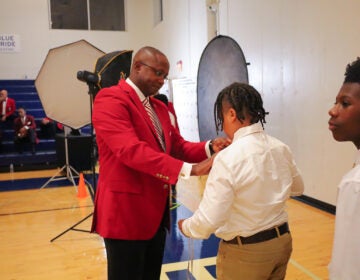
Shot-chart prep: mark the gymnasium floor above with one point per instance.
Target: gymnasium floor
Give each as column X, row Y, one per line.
column 33, row 216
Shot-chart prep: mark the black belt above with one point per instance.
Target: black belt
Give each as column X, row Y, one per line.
column 261, row 236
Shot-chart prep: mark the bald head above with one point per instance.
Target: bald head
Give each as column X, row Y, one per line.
column 3, row 94
column 149, row 69
column 146, row 53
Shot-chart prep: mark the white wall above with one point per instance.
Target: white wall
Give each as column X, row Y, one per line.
column 182, row 34
column 297, row 49
column 30, row 20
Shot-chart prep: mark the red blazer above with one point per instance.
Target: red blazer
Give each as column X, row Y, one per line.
column 10, row 107
column 135, row 173
column 29, row 121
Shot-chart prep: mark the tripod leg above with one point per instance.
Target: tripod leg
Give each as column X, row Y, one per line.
column 69, row 174
column 52, row 178
column 72, row 228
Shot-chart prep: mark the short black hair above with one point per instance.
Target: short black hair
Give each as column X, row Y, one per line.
column 162, row 97
column 352, row 73
column 244, row 99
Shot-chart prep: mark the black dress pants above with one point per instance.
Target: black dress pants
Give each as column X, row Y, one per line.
column 21, row 141
column 136, row 259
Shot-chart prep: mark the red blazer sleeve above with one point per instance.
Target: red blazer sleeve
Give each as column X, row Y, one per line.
column 17, row 125
column 124, row 128
column 30, row 122
column 10, row 107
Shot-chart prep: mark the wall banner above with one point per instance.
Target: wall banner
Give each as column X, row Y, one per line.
column 9, row 43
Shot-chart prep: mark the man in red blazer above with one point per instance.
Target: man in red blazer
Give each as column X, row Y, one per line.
column 136, row 172
column 7, row 112
column 25, row 131
column 7, row 106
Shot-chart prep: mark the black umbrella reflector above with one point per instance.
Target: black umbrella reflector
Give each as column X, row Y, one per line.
column 112, row 67
column 109, row 69
column 222, row 63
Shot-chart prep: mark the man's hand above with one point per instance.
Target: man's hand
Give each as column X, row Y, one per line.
column 22, row 132
column 220, row 143
column 202, row 168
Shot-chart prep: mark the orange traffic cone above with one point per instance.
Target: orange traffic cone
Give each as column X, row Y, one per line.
column 81, row 188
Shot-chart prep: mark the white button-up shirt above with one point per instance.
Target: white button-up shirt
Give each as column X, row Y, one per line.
column 345, row 260
column 247, row 187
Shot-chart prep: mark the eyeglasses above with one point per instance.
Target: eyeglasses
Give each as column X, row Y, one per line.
column 158, row 73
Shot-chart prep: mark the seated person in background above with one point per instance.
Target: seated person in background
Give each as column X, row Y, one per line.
column 49, row 128
column 7, row 107
column 7, row 112
column 25, row 131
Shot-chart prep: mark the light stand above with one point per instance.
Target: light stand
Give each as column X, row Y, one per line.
column 70, row 171
column 92, row 91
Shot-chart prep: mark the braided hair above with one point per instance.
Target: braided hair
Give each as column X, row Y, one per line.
column 244, row 99
column 352, row 73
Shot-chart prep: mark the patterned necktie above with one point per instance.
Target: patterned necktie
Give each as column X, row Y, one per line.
column 155, row 121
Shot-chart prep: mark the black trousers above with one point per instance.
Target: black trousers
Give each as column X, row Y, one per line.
column 136, row 259
column 29, row 138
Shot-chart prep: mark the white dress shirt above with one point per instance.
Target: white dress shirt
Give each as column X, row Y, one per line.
column 3, row 107
column 247, row 187
column 345, row 260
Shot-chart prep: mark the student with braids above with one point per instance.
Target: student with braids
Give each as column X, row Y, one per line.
column 246, row 191
column 344, row 124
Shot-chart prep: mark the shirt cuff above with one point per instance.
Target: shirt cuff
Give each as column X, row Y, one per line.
column 207, row 149
column 185, row 171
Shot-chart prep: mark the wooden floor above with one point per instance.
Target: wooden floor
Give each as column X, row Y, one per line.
column 29, row 219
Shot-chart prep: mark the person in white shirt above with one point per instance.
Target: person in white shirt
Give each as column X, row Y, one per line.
column 246, row 191
column 344, row 124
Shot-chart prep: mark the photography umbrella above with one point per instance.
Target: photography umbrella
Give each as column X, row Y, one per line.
column 109, row 69
column 222, row 63
column 64, row 99
column 112, row 67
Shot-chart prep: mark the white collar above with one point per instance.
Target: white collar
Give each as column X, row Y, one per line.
column 246, row 130
column 137, row 90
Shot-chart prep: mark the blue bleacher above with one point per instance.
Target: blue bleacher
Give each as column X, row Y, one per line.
column 25, row 95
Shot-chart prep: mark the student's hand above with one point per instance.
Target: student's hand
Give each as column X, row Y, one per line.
column 180, row 222
column 219, row 143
